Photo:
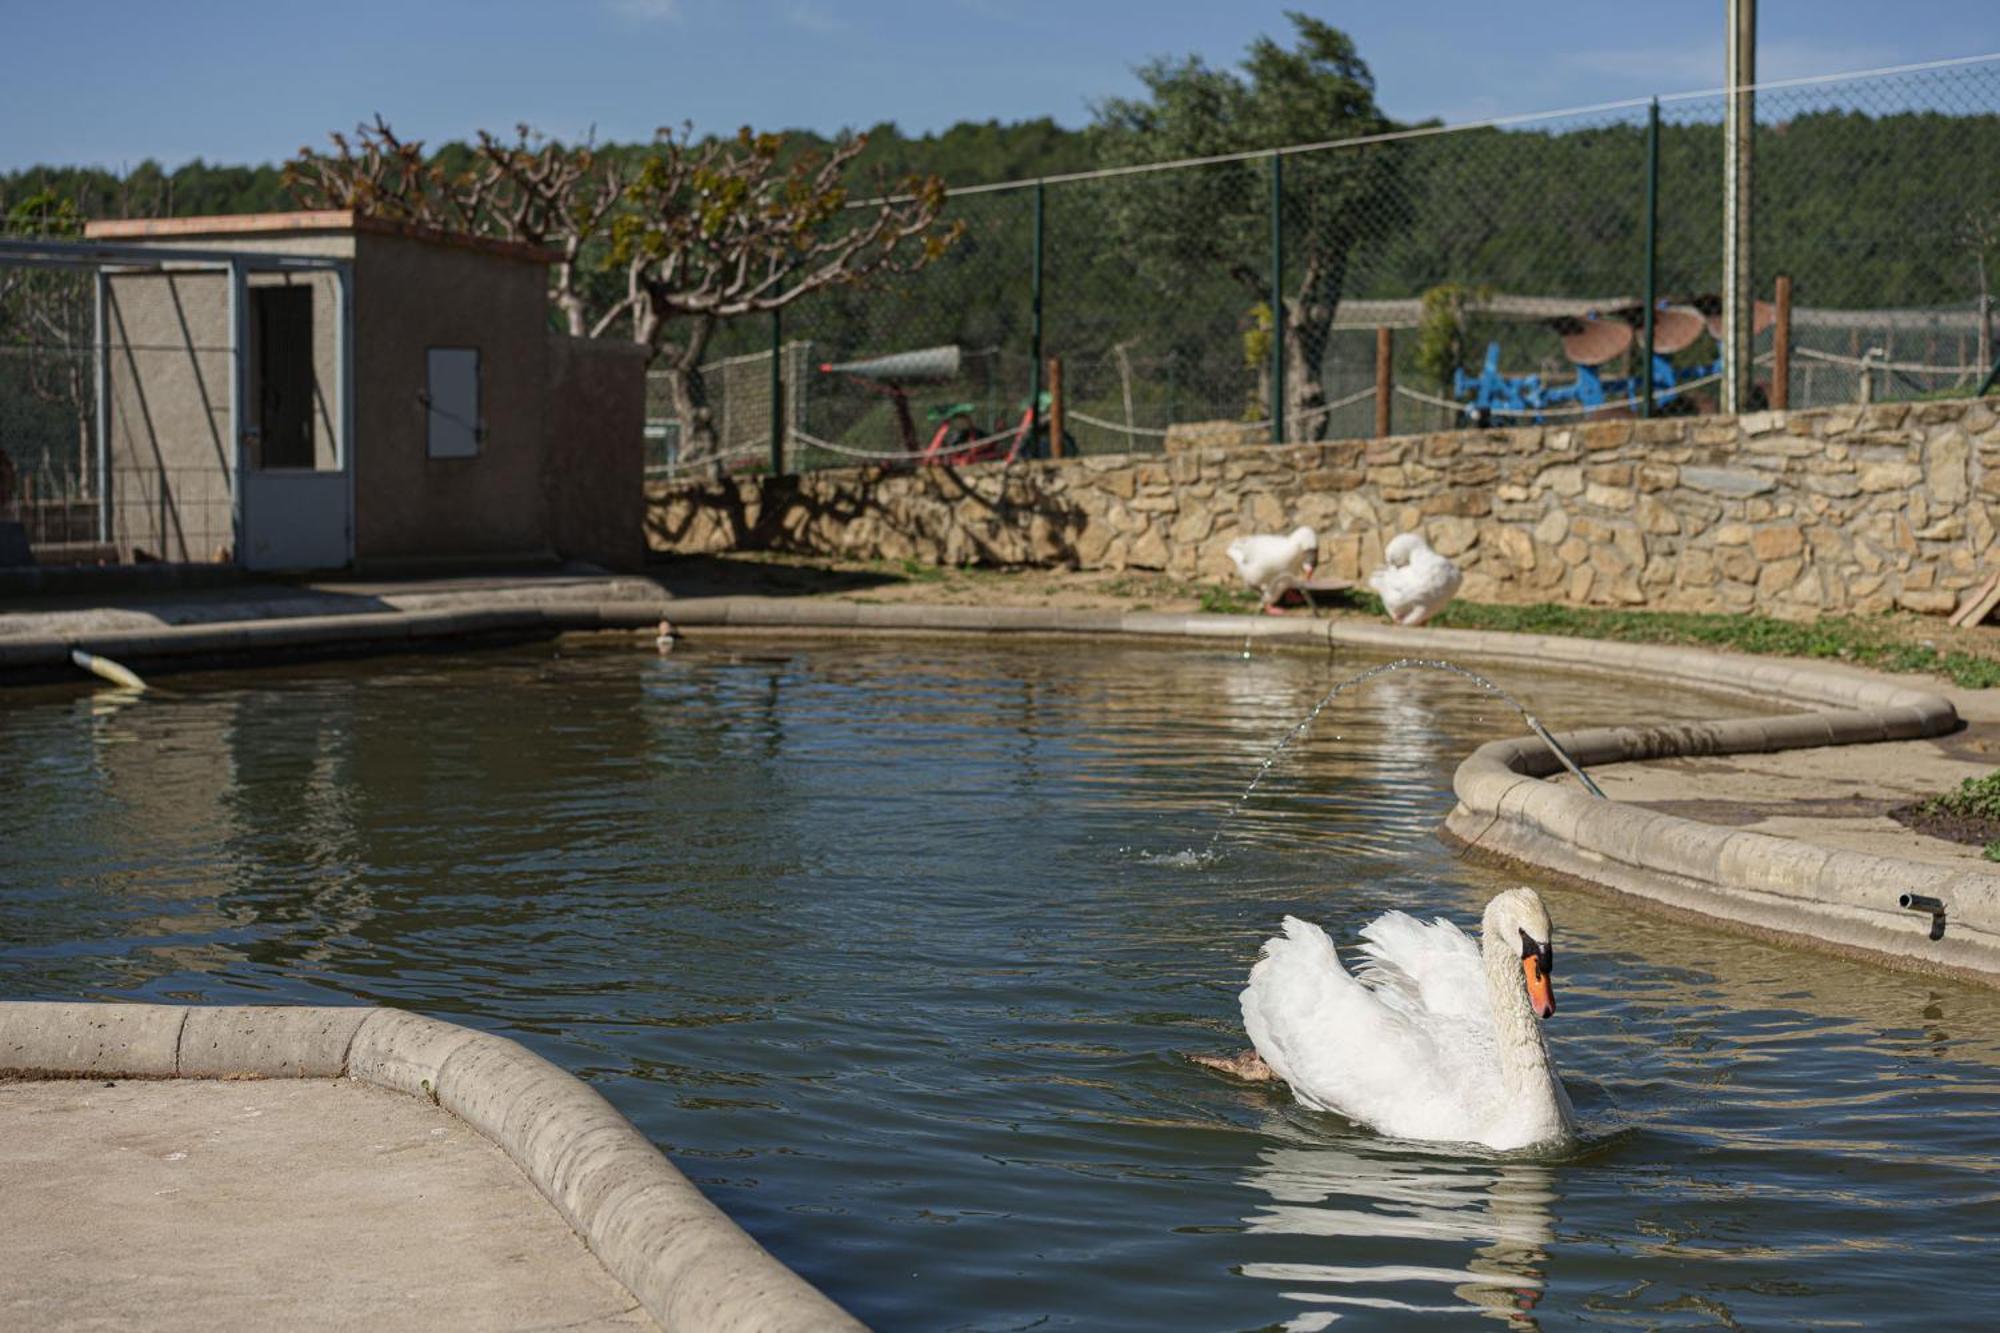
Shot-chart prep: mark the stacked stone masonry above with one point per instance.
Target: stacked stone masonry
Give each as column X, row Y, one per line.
column 1844, row 509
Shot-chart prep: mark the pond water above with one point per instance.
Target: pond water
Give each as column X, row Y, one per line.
column 891, row 946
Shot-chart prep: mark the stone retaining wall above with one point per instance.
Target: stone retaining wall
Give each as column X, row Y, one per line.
column 1842, row 509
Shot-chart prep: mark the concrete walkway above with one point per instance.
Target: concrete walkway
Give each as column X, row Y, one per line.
column 79, row 617
column 253, row 622
column 1831, row 798
column 1838, row 797
column 274, row 1166
column 203, row 1204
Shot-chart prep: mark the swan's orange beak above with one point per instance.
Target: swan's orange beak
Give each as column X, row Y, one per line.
column 1541, row 987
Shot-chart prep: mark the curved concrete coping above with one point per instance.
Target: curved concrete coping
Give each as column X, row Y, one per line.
column 685, row 1261
column 1766, row 677
column 361, row 631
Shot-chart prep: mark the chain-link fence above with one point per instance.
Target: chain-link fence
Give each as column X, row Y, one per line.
column 1501, row 268
column 1414, row 281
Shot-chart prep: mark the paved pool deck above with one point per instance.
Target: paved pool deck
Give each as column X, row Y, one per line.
column 274, row 1166
column 1834, row 797
column 188, row 1205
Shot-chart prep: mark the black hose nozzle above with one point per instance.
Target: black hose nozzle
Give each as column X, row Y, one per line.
column 1917, row 902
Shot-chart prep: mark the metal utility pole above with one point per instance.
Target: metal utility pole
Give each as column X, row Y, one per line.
column 1652, row 246
column 1739, row 122
column 1035, row 324
column 1277, row 299
column 777, row 391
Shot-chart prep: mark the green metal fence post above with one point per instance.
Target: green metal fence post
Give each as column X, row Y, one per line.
column 1277, row 299
column 1035, row 327
column 777, row 393
column 1652, row 247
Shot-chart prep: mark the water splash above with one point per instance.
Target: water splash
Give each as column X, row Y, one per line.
column 1186, row 859
column 1401, row 664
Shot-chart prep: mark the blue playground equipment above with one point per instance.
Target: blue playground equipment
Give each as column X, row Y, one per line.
column 1489, row 394
column 1589, row 342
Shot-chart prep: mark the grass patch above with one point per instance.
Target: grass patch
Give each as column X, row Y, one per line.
column 1856, row 639
column 1853, row 639
column 1969, row 814
column 1220, row 599
column 916, row 571
column 1976, row 798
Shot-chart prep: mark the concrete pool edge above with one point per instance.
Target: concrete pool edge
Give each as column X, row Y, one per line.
column 1785, row 889
column 255, row 642
column 680, row 1256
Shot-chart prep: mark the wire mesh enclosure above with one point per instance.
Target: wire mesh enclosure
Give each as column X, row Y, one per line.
column 1501, row 267
column 137, row 391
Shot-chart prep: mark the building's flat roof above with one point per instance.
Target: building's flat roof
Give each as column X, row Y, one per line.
column 317, row 220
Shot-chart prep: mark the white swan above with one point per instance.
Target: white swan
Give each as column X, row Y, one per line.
column 1265, row 559
column 1416, row 582
column 1435, row 1037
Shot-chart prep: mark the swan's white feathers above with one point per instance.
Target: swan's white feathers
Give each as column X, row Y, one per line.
column 1430, row 1037
column 1429, row 969
column 1388, row 1057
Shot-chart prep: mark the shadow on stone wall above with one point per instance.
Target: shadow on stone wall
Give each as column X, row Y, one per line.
column 1841, row 509
column 992, row 515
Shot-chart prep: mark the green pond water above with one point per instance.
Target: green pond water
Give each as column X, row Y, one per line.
column 895, row 947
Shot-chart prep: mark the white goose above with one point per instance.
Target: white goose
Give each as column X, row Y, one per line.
column 1435, row 1038
column 1265, row 560
column 1416, row 582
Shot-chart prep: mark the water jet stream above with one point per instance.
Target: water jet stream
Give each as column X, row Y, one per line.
column 1404, row 663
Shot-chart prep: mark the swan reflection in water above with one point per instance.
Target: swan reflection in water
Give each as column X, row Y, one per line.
column 1429, row 1210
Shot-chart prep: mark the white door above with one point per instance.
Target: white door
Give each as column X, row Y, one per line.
column 295, row 484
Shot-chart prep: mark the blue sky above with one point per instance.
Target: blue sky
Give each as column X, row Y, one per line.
column 110, row 84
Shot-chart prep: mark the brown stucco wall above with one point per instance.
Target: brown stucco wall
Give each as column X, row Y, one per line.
column 411, row 295
column 596, row 451
column 1854, row 508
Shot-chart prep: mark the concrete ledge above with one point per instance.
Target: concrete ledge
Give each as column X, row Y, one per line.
column 685, row 1261
column 249, row 642
column 1780, row 887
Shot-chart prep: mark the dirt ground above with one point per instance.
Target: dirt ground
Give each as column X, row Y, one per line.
column 1949, row 825
column 763, row 574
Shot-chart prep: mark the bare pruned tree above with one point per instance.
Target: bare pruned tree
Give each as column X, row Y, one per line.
column 46, row 318
column 697, row 232
column 719, row 229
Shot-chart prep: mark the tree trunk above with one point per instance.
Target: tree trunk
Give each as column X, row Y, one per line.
column 1985, row 357
column 687, row 393
column 1308, row 328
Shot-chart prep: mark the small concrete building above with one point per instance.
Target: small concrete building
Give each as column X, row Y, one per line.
column 321, row 390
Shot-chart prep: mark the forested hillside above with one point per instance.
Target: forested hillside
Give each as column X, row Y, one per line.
column 1865, row 212
column 1872, row 207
